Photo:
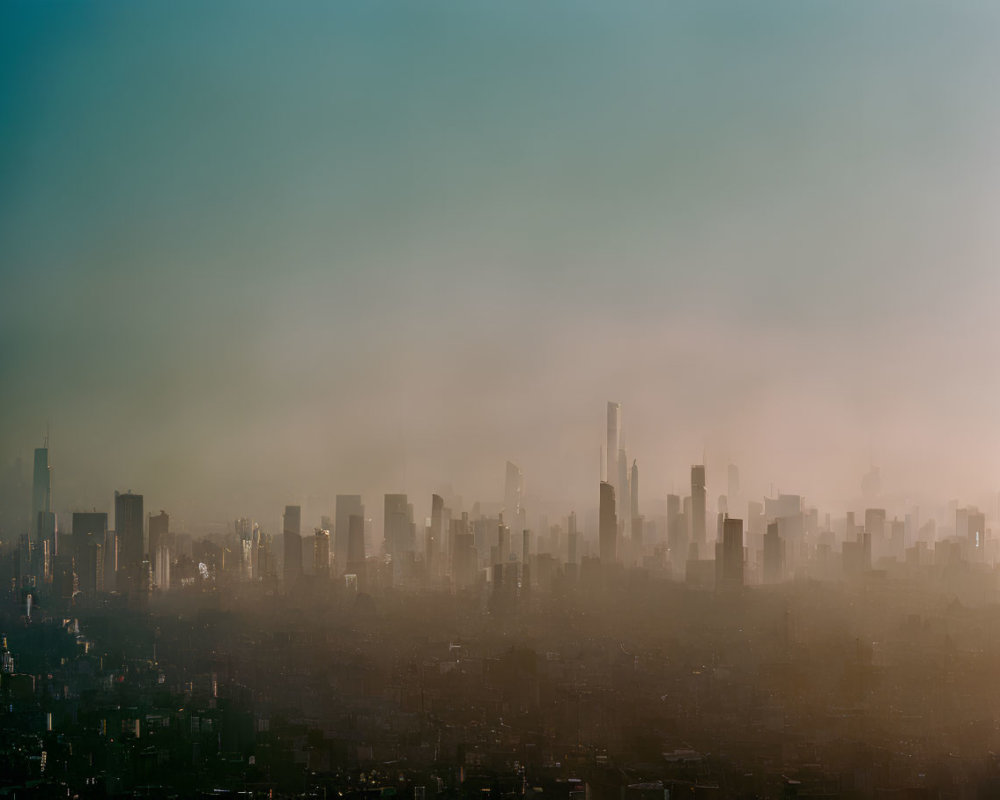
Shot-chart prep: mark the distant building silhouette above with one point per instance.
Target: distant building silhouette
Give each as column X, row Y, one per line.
column 321, row 554
column 731, row 550
column 129, row 521
column 463, row 553
column 292, row 535
column 676, row 530
column 976, row 529
column 397, row 526
column 348, row 505
column 608, row 531
column 89, row 538
column 41, row 491
column 159, row 534
column 246, row 538
column 698, row 504
column 774, row 555
column 875, row 529
column 503, row 541
column 512, row 493
column 572, row 541
column 614, row 441
column 355, row 542
column 432, row 553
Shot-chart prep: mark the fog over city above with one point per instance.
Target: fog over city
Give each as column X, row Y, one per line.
column 566, row 401
column 248, row 258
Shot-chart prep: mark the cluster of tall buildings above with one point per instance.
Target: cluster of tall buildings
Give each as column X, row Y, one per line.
column 92, row 557
column 490, row 543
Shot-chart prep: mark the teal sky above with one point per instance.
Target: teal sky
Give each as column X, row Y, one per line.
column 258, row 253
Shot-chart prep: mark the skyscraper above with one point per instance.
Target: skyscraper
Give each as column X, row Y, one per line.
column 608, row 533
column 634, row 489
column 44, row 546
column 677, row 539
column 397, row 527
column 348, row 505
column 512, row 491
column 88, row 526
column 636, row 522
column 41, row 544
column 698, row 503
column 503, row 541
column 356, row 547
column 976, row 529
column 159, row 532
column 774, row 554
column 433, row 546
column 572, row 539
column 292, row 529
column 614, row 441
column 129, row 521
column 622, row 490
column 875, row 528
column 244, row 528
column 463, row 557
column 321, row 554
column 41, row 491
column 732, row 553
column 89, row 537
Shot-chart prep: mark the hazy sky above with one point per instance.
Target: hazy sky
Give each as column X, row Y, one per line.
column 258, row 253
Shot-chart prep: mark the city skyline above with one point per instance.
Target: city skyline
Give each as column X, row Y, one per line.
column 499, row 401
column 721, row 493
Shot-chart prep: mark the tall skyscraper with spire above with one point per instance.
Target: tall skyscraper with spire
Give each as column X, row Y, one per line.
column 614, row 441
column 41, row 493
column 698, row 505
